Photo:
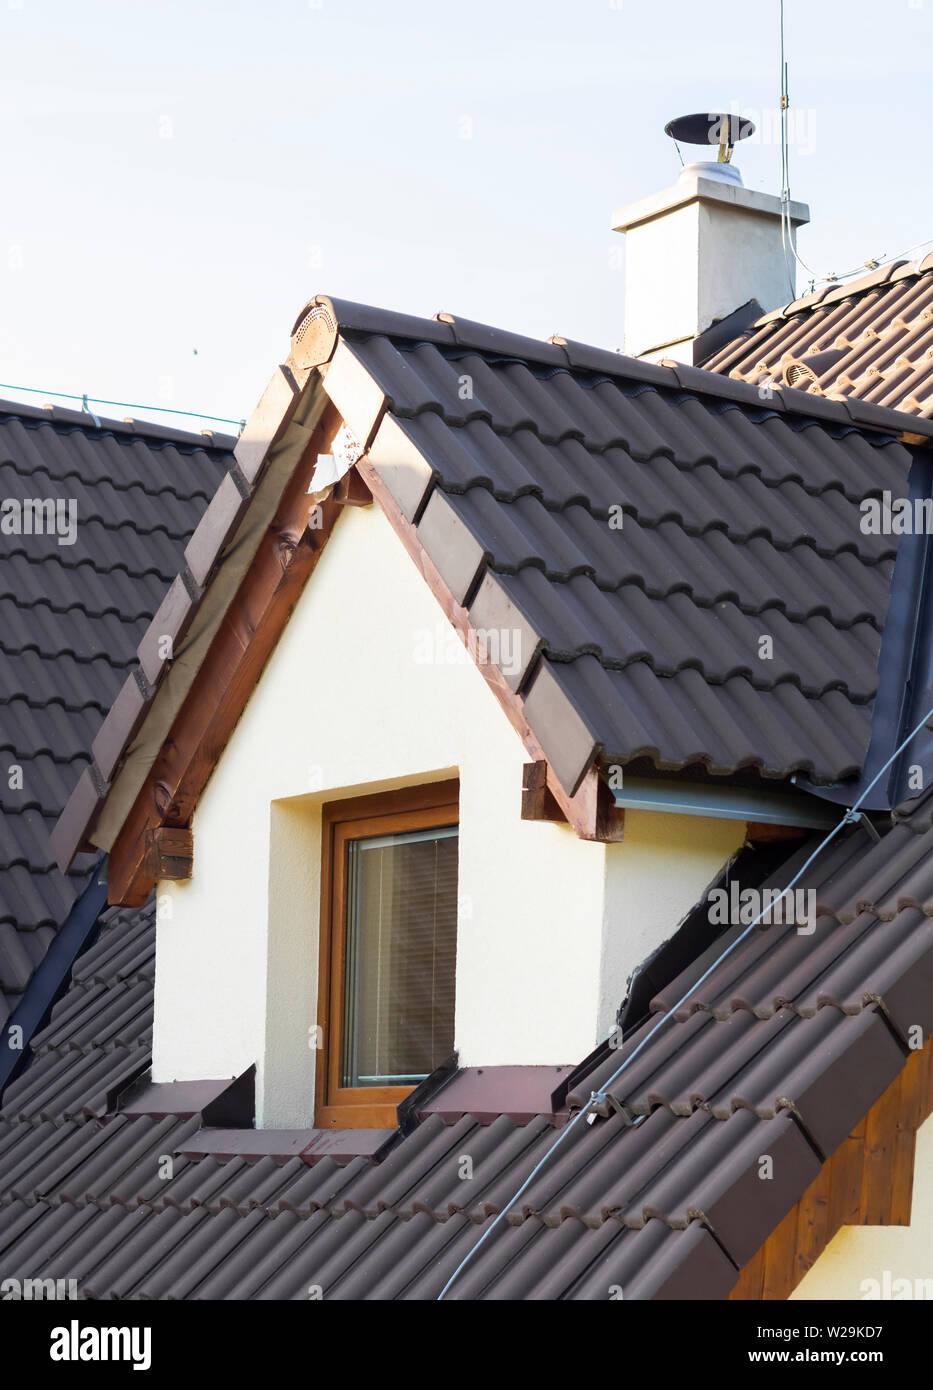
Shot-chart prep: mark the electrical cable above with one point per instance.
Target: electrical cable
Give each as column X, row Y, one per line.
column 123, row 405
column 851, row 816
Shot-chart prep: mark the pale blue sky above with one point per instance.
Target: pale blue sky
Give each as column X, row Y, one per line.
column 184, row 174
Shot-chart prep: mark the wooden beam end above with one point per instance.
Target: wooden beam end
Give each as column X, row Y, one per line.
column 538, row 801
column 351, row 491
column 169, row 852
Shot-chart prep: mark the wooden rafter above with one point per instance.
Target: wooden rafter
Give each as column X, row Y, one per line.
column 234, row 662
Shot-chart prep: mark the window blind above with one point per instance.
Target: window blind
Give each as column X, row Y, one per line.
column 400, row 956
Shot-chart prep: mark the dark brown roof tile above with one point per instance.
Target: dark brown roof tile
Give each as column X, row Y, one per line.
column 881, row 321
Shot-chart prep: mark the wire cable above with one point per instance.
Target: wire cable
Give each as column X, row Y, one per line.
column 852, row 815
column 123, row 405
column 787, row 241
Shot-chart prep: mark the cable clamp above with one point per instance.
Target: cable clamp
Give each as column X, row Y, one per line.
column 619, row 1107
column 853, row 817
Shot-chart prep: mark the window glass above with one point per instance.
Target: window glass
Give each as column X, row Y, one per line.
column 401, row 934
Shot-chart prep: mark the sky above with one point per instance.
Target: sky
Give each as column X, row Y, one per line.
column 179, row 177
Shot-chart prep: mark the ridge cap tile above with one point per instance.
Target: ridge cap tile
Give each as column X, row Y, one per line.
column 352, row 317
column 500, row 341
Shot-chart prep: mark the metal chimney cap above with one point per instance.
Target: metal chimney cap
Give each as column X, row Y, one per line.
column 709, row 128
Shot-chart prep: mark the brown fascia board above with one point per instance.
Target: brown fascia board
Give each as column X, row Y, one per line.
column 219, row 538
column 226, row 539
column 406, row 477
column 249, row 603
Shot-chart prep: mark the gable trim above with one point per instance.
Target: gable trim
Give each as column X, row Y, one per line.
column 245, row 638
column 590, row 807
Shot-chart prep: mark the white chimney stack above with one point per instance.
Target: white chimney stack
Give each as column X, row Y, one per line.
column 701, row 250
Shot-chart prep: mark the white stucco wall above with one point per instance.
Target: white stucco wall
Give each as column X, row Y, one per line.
column 653, row 878
column 662, row 289
column 550, row 927
column 877, row 1263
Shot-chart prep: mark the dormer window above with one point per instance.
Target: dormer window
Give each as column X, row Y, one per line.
column 388, row 950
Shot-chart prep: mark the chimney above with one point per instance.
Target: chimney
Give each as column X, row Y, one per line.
column 706, row 250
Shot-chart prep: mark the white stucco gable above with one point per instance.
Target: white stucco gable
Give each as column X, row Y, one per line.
column 368, row 689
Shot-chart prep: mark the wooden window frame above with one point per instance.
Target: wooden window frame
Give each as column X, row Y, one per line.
column 384, row 813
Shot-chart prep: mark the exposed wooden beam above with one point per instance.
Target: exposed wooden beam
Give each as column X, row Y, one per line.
column 351, row 491
column 237, row 656
column 169, row 852
column 538, row 802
